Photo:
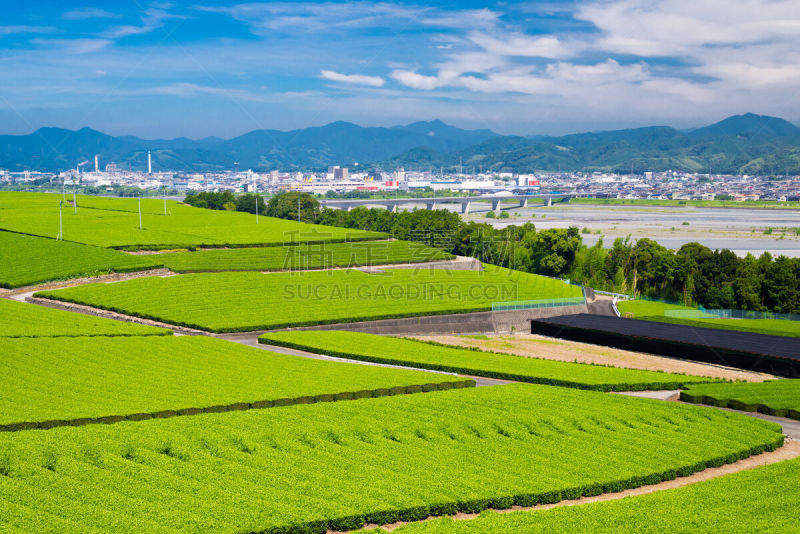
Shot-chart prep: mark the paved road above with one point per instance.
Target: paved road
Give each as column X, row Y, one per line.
column 602, row 305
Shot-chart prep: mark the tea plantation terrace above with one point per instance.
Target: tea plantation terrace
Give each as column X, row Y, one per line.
column 243, row 301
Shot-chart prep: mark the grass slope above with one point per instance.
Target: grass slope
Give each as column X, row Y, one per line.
column 28, row 260
column 413, row 353
column 773, row 397
column 18, row 319
column 96, row 377
column 302, row 257
column 764, row 499
column 654, row 311
column 224, row 302
column 337, row 465
column 115, row 223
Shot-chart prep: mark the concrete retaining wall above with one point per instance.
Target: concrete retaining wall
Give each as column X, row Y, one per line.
column 462, row 323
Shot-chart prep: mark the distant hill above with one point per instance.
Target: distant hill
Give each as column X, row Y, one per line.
column 749, row 143
column 338, row 143
column 749, row 125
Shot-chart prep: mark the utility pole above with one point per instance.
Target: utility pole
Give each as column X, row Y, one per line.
column 298, row 208
column 60, row 222
column 256, row 199
column 140, row 211
column 75, row 201
column 165, row 201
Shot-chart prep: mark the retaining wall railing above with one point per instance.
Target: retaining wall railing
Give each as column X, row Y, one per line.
column 539, row 303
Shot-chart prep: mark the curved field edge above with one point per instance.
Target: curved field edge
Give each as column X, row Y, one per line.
column 643, row 386
column 240, row 406
column 20, row 320
column 746, row 501
column 122, row 442
column 735, row 404
column 257, row 327
column 506, row 502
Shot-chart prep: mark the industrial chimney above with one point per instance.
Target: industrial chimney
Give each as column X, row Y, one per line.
column 149, row 163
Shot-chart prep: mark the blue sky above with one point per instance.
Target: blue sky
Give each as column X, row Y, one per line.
column 194, row 69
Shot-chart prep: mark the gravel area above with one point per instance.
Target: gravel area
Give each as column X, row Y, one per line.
column 535, row 346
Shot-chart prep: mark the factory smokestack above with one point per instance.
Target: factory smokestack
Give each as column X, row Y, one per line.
column 149, row 163
column 96, row 166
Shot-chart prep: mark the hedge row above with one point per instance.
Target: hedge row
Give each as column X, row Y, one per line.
column 739, row 405
column 393, row 263
column 135, row 248
column 256, row 328
column 419, row 513
column 642, row 386
column 312, row 399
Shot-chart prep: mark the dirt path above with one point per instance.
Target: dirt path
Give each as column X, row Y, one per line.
column 790, row 450
column 535, row 346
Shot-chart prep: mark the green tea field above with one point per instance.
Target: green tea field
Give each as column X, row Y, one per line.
column 338, row 465
column 18, row 319
column 301, row 257
column 115, row 223
column 774, row 397
column 116, row 377
column 228, row 302
column 28, row 260
column 407, row 352
column 727, row 504
column 111, row 424
column 654, row 311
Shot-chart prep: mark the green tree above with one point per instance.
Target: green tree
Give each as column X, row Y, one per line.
column 247, row 203
column 287, row 206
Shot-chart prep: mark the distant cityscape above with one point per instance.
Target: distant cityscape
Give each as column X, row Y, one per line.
column 338, row 180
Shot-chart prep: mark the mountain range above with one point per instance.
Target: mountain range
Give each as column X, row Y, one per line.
column 747, row 144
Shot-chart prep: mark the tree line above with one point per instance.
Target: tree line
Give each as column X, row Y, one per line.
column 226, row 200
column 693, row 274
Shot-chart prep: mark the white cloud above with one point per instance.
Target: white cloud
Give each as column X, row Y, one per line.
column 358, row 79
column 83, row 13
column 319, row 17
column 152, row 20
column 547, row 46
column 463, row 20
column 680, row 27
column 416, row 81
column 73, row 46
column 14, row 30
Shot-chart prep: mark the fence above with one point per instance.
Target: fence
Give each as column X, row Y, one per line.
column 540, row 303
column 702, row 313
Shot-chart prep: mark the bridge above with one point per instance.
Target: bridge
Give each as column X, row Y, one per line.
column 392, row 204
